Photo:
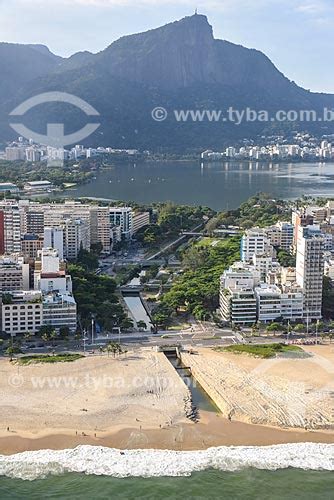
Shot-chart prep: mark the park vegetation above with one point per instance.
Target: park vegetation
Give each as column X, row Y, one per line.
column 261, row 350
column 196, row 291
column 46, row 358
column 20, row 172
column 169, row 220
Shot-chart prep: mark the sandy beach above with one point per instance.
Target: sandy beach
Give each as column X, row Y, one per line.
column 282, row 392
column 138, row 401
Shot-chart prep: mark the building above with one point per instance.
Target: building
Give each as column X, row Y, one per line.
column 287, row 231
column 31, row 244
column 33, row 154
column 77, row 237
column 329, row 268
column 238, row 306
column 22, row 312
column 237, row 299
column 268, row 301
column 15, row 153
column 310, row 269
column 33, row 221
column 122, row 217
column 254, row 241
column 50, row 274
column 54, row 238
column 263, row 263
column 140, row 220
column 10, row 227
column 37, row 186
column 14, row 274
column 8, row 187
column 59, row 310
column 292, row 302
column 240, row 275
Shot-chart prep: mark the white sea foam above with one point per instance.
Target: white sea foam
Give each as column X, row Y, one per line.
column 149, row 463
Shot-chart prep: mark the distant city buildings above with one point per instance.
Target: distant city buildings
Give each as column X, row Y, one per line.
column 23, row 150
column 275, row 152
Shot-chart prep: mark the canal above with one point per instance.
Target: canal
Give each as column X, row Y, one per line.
column 135, row 304
column 200, row 399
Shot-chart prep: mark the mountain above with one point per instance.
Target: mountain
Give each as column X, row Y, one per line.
column 177, row 66
column 21, row 64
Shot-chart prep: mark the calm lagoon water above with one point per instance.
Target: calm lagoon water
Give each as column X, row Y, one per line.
column 218, row 185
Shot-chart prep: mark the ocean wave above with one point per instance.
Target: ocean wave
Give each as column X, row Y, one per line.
column 97, row 460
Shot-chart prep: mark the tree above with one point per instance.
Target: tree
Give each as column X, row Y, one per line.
column 12, row 350
column 88, row 260
column 64, row 332
column 141, row 325
column 113, row 347
column 126, row 324
column 328, row 299
column 300, row 327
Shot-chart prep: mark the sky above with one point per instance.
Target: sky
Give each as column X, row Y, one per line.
column 297, row 35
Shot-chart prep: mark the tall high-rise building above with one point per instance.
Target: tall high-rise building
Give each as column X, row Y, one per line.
column 76, row 237
column 54, row 238
column 10, row 227
column 310, row 269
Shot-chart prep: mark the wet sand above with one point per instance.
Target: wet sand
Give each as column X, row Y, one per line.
column 212, row 430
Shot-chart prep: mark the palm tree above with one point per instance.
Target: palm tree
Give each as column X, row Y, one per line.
column 113, row 347
column 53, row 336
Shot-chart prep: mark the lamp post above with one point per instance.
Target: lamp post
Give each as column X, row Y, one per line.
column 92, row 330
column 84, row 341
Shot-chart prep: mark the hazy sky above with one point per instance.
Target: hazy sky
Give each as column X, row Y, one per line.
column 297, row 35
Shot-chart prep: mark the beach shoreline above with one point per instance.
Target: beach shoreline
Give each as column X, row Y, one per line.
column 139, row 401
column 212, row 430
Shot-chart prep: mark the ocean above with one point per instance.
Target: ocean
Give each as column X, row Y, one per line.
column 290, row 471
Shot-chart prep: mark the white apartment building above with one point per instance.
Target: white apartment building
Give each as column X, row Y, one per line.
column 310, row 269
column 286, row 230
column 268, row 300
column 292, row 303
column 49, row 276
column 23, row 314
column 76, row 237
column 263, row 263
column 122, row 217
column 254, row 241
column 240, row 275
column 54, row 238
column 15, row 153
column 238, row 306
column 59, row 310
